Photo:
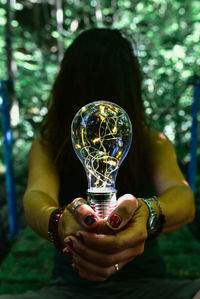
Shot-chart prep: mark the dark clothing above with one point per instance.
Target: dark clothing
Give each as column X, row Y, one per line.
column 148, row 265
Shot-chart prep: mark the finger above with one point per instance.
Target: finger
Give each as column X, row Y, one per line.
column 85, row 268
column 100, row 242
column 86, row 274
column 123, row 213
column 69, row 224
column 97, row 257
column 90, row 272
column 83, row 213
column 134, row 233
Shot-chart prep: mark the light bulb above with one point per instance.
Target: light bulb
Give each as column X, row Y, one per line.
column 101, row 134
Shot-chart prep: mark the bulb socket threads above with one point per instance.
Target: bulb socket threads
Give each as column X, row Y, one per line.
column 102, row 203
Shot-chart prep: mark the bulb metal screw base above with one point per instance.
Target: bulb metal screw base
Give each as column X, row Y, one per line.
column 102, row 203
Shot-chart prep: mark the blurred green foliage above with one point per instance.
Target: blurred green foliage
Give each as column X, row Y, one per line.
column 21, row 270
column 167, row 35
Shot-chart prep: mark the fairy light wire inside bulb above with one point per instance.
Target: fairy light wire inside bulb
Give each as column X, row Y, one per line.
column 96, row 150
column 101, row 136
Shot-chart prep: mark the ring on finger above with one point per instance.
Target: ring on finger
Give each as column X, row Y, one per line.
column 75, row 205
column 116, row 268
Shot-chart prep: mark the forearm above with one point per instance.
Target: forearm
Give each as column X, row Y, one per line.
column 177, row 206
column 38, row 206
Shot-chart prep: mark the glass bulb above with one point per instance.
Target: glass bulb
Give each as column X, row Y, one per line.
column 101, row 135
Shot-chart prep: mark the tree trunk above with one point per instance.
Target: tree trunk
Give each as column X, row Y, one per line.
column 11, row 67
column 99, row 14
column 59, row 19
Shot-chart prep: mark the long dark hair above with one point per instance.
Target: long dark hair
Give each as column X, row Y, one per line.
column 100, row 64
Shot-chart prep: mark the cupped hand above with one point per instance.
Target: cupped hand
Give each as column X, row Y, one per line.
column 94, row 255
column 82, row 218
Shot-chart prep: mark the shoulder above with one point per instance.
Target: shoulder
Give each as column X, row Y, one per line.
column 38, row 145
column 156, row 136
column 158, row 142
column 160, row 149
column 162, row 162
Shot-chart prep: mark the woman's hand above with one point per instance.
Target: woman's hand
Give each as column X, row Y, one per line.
column 83, row 218
column 94, row 255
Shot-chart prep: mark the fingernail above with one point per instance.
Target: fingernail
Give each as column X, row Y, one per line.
column 80, row 237
column 90, row 219
column 69, row 242
column 68, row 254
column 114, row 221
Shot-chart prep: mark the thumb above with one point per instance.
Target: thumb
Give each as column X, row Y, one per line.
column 83, row 213
column 123, row 213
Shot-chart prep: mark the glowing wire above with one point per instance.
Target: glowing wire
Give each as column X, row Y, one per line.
column 98, row 161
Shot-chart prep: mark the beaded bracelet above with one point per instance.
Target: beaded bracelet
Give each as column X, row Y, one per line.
column 53, row 228
column 161, row 219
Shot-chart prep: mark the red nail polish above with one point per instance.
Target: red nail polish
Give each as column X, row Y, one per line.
column 68, row 254
column 90, row 219
column 69, row 242
column 114, row 221
column 80, row 237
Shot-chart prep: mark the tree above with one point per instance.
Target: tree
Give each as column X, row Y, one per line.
column 167, row 37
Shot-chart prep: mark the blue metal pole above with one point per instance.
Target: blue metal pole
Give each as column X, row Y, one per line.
column 193, row 144
column 10, row 184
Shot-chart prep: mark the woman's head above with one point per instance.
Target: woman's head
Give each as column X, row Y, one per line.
column 99, row 65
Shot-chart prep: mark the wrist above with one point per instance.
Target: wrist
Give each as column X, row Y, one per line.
column 54, row 228
column 152, row 213
column 160, row 218
column 61, row 231
column 156, row 218
column 144, row 210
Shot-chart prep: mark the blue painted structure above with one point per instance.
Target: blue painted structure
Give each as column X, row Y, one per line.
column 10, row 183
column 194, row 133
